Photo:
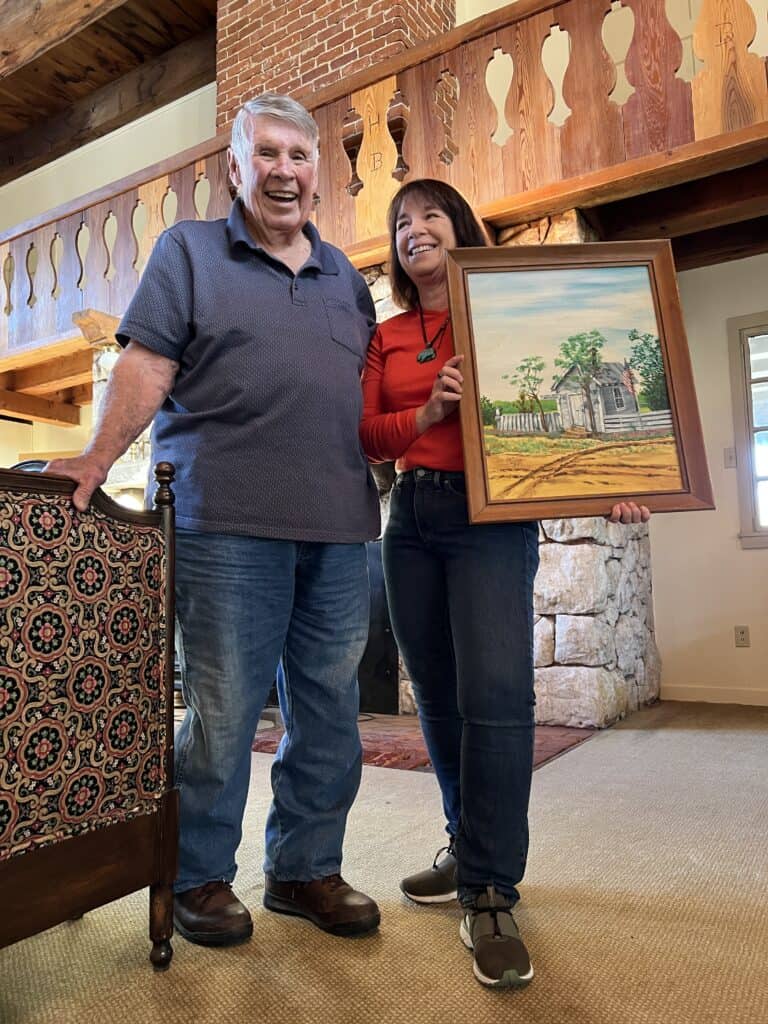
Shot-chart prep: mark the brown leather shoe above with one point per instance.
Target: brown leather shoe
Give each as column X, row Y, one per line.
column 329, row 903
column 211, row 915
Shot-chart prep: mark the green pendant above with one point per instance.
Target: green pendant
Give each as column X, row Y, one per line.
column 426, row 355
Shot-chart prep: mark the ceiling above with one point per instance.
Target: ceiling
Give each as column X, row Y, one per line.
column 71, row 72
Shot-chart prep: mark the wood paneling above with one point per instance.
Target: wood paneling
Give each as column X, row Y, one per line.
column 592, row 136
column 535, row 140
column 659, row 114
column 731, row 90
column 377, row 157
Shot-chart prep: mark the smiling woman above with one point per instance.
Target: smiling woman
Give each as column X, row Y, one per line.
column 460, row 596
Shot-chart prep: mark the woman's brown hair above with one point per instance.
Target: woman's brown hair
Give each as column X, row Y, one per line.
column 466, row 227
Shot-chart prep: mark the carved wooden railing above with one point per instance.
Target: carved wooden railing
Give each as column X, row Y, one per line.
column 428, row 112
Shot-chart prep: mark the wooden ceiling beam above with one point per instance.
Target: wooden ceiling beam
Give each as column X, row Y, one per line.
column 44, row 353
column 42, row 410
column 82, row 394
column 719, row 245
column 30, row 29
column 161, row 80
column 43, row 378
column 726, row 198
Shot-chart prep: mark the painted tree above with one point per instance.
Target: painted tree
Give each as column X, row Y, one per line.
column 581, row 353
column 528, row 378
column 488, row 411
column 645, row 358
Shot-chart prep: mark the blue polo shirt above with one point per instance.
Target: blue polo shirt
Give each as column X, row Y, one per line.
column 262, row 423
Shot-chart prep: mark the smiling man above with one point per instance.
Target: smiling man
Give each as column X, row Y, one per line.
column 244, row 343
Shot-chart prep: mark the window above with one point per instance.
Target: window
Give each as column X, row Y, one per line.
column 748, row 339
column 618, row 398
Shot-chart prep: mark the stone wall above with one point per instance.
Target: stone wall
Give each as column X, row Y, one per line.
column 594, row 646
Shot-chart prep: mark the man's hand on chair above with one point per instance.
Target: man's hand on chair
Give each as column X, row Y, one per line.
column 86, row 470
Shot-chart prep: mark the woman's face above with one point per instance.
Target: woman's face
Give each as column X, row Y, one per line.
column 423, row 235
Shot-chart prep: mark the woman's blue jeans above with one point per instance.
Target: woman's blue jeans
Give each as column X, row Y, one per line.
column 243, row 605
column 461, row 604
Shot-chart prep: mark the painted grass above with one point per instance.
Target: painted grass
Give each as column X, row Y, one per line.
column 541, row 445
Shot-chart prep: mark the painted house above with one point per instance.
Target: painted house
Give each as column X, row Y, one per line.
column 608, row 396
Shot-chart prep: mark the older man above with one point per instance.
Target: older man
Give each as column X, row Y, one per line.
column 244, row 343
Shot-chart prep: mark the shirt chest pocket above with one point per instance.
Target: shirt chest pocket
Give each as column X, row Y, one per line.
column 348, row 328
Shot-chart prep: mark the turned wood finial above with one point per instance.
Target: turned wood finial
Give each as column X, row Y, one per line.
column 164, row 474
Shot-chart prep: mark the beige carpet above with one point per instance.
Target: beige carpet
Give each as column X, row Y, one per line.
column 645, row 903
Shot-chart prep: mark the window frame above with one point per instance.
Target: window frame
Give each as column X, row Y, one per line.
column 740, row 330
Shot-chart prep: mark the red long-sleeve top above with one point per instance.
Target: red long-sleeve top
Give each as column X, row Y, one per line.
column 395, row 385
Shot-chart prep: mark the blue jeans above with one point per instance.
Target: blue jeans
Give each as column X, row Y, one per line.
column 243, row 605
column 461, row 603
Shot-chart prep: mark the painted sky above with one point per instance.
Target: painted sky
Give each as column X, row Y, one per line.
column 530, row 312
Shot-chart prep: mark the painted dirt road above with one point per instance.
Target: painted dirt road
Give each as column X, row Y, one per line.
column 580, row 469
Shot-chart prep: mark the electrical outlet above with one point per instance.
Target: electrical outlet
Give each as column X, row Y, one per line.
column 741, row 636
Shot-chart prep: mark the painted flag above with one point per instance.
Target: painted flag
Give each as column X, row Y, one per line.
column 627, row 379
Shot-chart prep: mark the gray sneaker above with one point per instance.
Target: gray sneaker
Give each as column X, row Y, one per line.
column 438, row 883
column 488, row 928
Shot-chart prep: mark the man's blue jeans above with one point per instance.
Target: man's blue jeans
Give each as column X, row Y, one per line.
column 243, row 605
column 461, row 604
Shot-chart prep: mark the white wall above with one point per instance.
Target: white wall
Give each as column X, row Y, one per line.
column 14, row 438
column 17, row 439
column 466, row 10
column 704, row 583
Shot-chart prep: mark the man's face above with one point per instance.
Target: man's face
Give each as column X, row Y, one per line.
column 278, row 181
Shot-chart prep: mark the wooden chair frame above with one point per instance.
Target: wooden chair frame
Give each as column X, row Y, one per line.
column 59, row 880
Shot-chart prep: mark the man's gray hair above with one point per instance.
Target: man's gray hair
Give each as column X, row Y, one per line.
column 277, row 106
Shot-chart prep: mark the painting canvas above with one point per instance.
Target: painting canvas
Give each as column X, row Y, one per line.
column 578, row 388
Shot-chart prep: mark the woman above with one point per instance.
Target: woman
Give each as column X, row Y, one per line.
column 460, row 596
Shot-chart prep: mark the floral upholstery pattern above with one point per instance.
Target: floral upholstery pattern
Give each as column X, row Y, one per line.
column 82, row 650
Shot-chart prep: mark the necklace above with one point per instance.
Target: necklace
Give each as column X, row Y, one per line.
column 429, row 351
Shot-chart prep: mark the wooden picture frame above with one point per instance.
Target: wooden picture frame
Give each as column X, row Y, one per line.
column 577, row 360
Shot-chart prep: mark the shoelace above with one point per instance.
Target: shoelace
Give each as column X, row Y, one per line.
column 211, row 888
column 449, row 850
column 494, row 909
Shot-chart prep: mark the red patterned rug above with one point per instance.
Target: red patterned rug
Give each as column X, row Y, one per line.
column 395, row 741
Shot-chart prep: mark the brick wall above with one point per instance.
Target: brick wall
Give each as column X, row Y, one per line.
column 299, row 46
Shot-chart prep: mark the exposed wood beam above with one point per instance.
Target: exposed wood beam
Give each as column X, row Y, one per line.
column 186, row 67
column 633, row 177
column 30, row 407
column 719, row 245
column 82, row 394
column 30, row 29
column 44, row 353
column 55, row 375
column 726, row 198
column 96, row 327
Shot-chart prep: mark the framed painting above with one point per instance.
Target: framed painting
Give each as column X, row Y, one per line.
column 578, row 391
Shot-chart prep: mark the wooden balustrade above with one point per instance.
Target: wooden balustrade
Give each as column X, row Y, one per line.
column 428, row 112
